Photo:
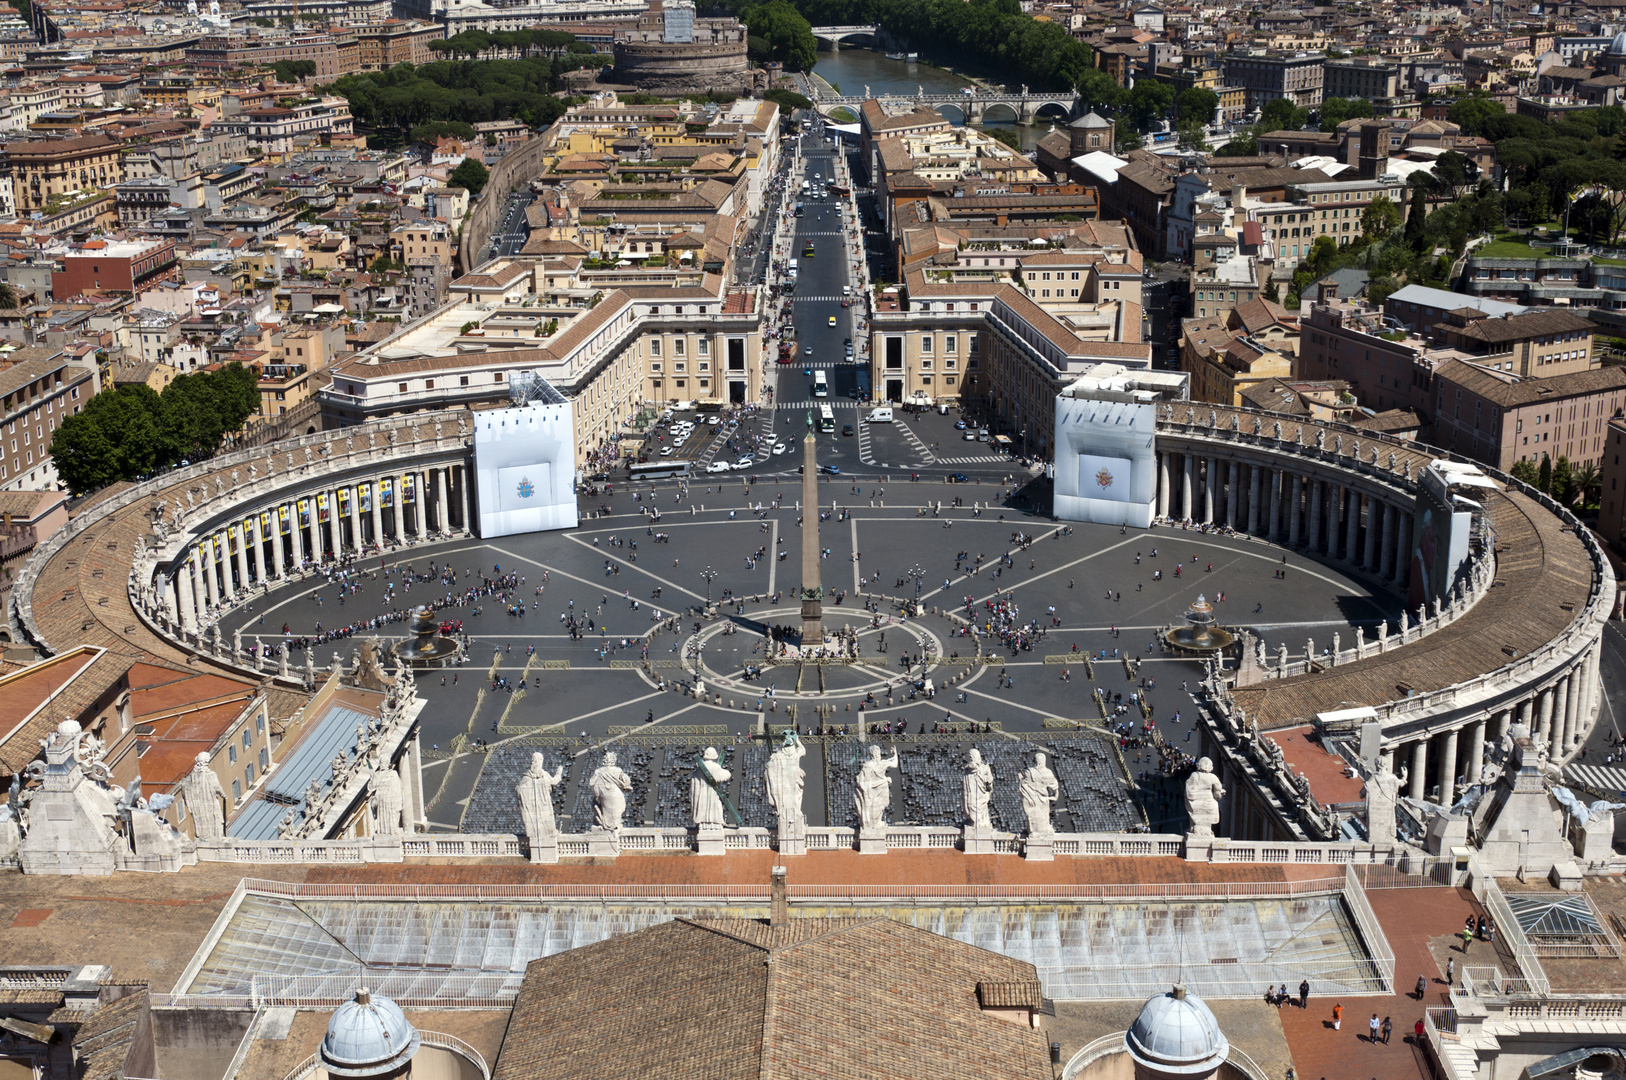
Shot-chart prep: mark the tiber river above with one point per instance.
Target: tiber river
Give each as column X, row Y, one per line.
column 853, row 68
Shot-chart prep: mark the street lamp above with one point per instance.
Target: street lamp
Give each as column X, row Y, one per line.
column 918, row 574
column 709, row 575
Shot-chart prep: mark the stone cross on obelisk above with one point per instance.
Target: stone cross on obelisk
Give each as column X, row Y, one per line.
column 812, row 591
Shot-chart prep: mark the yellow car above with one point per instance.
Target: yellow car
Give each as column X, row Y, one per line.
column 832, row 320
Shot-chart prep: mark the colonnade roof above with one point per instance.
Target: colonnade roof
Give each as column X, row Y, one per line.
column 1543, row 578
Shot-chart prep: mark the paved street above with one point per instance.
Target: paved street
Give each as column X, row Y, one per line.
column 620, row 583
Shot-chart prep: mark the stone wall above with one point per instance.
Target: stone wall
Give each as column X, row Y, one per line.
column 519, row 164
column 687, row 68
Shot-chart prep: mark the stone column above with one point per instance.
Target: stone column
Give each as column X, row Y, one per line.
column 1527, row 710
column 1232, row 489
column 1504, row 720
column 1476, row 752
column 297, row 533
column 211, row 582
column 1374, row 530
column 186, row 603
column 1352, row 528
column 1419, row 768
column 1316, row 496
column 1561, row 709
column 1448, row 769
column 355, row 523
column 1545, row 713
column 1293, row 512
column 440, row 496
column 376, row 514
column 1402, row 550
column 465, row 499
column 1186, row 493
column 1274, row 479
column 1210, row 484
column 1386, row 560
column 396, row 516
column 200, row 592
column 1335, row 508
column 242, row 558
column 1253, row 500
column 1589, row 695
column 258, row 532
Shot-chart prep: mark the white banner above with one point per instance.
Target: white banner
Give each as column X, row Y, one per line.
column 1104, row 478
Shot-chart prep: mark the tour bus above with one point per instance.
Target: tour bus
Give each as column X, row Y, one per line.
column 657, row 470
column 821, row 385
column 827, row 419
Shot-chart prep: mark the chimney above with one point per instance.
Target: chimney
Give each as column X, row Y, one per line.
column 1326, row 290
column 1239, row 197
column 779, row 913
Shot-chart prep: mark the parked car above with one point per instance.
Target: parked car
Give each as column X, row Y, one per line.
column 958, row 478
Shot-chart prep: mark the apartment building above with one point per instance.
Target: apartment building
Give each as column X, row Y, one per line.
column 123, row 266
column 1365, row 77
column 51, row 167
column 1388, row 367
column 397, row 42
column 1499, row 417
column 36, row 395
column 274, row 130
column 1298, row 77
column 1536, row 343
column 220, row 53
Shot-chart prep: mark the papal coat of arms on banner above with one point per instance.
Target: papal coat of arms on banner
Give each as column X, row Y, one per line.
column 1104, row 478
column 526, row 488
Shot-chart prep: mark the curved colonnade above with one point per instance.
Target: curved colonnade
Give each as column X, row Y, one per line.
column 1520, row 642
column 148, row 570
column 187, row 547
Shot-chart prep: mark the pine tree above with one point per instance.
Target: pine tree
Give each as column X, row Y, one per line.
column 1544, row 476
column 1414, row 220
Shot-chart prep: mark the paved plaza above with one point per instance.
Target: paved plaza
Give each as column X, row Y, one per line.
column 593, row 638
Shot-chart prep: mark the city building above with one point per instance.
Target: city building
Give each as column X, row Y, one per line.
column 1298, row 77
column 44, row 172
column 123, row 266
column 37, row 395
column 1500, row 417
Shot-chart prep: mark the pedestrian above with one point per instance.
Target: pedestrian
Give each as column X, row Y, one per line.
column 1338, row 1016
column 1467, row 938
column 1422, row 986
column 1372, row 1027
column 1450, row 971
column 1388, row 1027
column 1417, row 1031
column 1304, row 993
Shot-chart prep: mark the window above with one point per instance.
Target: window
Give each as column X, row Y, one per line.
column 402, row 388
column 925, row 344
column 950, row 344
column 703, row 347
column 462, row 380
column 231, row 753
column 236, row 790
column 654, row 346
column 677, row 346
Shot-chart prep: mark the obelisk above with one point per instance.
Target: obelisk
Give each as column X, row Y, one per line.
column 812, row 591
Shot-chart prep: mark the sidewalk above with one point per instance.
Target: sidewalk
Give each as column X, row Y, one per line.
column 1418, row 924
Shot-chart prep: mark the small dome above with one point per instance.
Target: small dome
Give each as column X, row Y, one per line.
column 1089, row 120
column 1176, row 1034
column 1617, row 47
column 368, row 1036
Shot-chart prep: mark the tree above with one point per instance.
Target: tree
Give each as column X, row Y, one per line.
column 1586, row 482
column 788, row 100
column 1149, row 101
column 1563, row 483
column 1455, row 173
column 1197, row 105
column 1380, row 217
column 1244, row 143
column 1379, row 289
column 1525, row 472
column 1281, row 114
column 436, row 129
column 470, row 174
column 1544, row 475
column 1336, row 110
column 1193, row 137
column 8, row 295
column 1475, row 114
column 785, row 35
column 1415, row 219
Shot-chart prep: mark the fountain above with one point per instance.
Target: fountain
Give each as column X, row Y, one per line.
column 1200, row 634
column 429, row 649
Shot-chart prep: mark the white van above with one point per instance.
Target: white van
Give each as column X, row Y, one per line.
column 846, row 291
column 879, row 416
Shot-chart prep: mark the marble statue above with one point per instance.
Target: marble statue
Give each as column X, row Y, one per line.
column 1282, row 655
column 437, row 430
column 1382, row 793
column 349, row 444
column 976, row 789
column 253, row 472
column 1278, row 426
column 1213, row 418
column 205, row 800
column 1405, row 469
column 1355, row 450
column 1258, row 424
column 369, row 673
column 234, row 478
column 220, row 486
column 1320, row 438
column 872, row 790
column 1038, row 788
column 237, row 643
column 385, row 788
column 1191, row 417
column 535, row 791
column 307, row 455
column 609, row 785
column 1391, row 461
column 1236, row 422
column 1338, row 444
column 784, row 778
column 705, row 795
column 1203, row 793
